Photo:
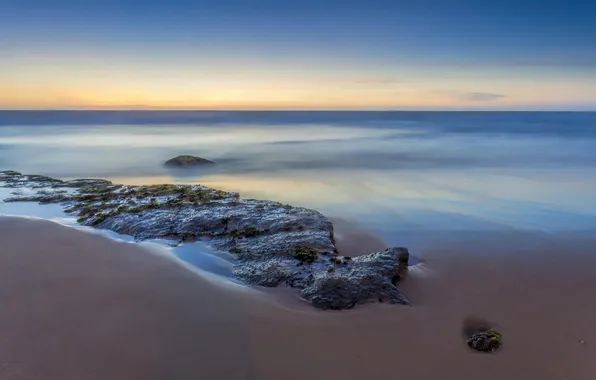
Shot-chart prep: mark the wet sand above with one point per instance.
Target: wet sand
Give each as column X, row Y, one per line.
column 78, row 306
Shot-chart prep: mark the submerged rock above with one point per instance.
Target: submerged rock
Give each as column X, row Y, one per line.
column 187, row 161
column 274, row 244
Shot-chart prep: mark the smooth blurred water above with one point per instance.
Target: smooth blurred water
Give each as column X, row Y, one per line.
column 404, row 175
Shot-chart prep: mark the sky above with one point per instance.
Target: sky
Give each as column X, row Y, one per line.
column 276, row 54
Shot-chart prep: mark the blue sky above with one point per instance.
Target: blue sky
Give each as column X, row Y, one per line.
column 298, row 54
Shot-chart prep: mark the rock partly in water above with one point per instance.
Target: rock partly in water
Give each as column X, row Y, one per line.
column 187, row 161
column 5, row 174
column 359, row 280
column 12, row 179
column 274, row 244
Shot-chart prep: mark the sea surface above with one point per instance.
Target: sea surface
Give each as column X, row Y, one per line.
column 410, row 178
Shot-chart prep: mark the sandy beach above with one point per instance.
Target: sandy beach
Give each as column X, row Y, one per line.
column 78, row 306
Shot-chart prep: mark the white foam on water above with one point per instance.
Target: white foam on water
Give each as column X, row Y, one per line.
column 420, row 270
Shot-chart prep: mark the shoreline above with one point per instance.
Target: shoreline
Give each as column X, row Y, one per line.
column 79, row 305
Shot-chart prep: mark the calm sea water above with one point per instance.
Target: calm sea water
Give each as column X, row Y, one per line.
column 410, row 177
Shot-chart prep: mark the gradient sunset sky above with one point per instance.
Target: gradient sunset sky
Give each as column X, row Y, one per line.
column 276, row 54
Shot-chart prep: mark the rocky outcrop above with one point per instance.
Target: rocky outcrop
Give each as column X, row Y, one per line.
column 359, row 280
column 12, row 179
column 187, row 161
column 274, row 244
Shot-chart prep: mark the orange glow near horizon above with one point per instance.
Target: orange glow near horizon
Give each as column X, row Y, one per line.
column 283, row 97
column 59, row 85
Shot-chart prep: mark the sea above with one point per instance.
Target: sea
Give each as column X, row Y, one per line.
column 417, row 179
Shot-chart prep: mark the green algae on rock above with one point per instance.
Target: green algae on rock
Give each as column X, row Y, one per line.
column 485, row 341
column 481, row 335
column 305, row 255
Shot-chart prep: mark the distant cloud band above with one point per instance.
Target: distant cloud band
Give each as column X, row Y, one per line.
column 471, row 96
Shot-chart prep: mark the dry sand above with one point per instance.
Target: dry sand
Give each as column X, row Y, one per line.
column 77, row 306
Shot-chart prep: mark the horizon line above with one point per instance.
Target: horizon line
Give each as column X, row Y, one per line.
column 285, row 110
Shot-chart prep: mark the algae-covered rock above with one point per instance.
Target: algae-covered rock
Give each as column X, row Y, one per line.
column 485, row 341
column 274, row 244
column 187, row 161
column 481, row 335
